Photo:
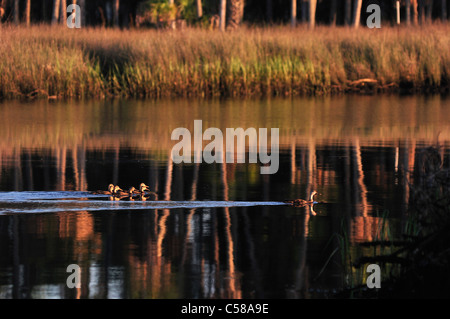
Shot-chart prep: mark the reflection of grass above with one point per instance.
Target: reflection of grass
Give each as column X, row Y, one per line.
column 44, row 61
column 355, row 257
column 147, row 125
column 416, row 266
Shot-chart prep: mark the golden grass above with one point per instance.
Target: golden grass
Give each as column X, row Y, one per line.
column 60, row 62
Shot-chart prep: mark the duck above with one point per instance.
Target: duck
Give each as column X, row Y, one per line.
column 302, row 202
column 143, row 188
column 144, row 192
column 132, row 191
column 121, row 193
column 110, row 191
column 131, row 195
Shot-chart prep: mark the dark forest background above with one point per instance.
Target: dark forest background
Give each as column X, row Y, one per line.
column 259, row 12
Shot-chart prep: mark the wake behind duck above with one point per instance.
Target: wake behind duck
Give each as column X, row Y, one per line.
column 115, row 198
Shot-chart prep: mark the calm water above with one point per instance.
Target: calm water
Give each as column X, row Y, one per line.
column 213, row 230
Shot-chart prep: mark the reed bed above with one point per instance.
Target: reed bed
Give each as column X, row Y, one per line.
column 57, row 62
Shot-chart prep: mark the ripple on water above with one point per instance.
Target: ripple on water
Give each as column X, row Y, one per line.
column 48, row 202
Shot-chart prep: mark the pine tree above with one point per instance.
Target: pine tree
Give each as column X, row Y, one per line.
column 55, row 16
column 27, row 12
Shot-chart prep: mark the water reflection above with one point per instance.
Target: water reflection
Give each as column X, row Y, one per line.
column 356, row 151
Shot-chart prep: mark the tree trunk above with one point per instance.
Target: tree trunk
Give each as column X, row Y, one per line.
column 116, row 6
column 357, row 13
column 172, row 23
column 415, row 12
column 199, row 8
column 63, row 14
column 397, row 7
column 312, row 13
column 27, row 12
column 16, row 12
column 223, row 15
column 55, row 15
column 235, row 13
column 293, row 13
column 333, row 12
column 408, row 12
column 348, row 12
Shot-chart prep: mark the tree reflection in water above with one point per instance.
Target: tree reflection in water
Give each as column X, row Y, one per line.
column 356, row 151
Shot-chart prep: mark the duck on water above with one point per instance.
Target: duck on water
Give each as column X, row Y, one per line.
column 303, row 202
column 144, row 192
column 115, row 190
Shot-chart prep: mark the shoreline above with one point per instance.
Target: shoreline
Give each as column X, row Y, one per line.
column 43, row 62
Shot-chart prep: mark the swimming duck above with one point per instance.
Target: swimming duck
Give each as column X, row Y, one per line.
column 131, row 195
column 121, row 193
column 110, row 191
column 143, row 188
column 302, row 202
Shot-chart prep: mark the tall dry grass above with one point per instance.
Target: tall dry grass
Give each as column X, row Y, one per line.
column 57, row 61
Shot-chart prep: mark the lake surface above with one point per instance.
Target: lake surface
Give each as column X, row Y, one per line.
column 216, row 230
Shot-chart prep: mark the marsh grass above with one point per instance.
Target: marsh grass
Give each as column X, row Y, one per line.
column 276, row 61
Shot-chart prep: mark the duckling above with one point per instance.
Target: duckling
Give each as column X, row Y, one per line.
column 131, row 195
column 302, row 202
column 110, row 191
column 143, row 188
column 121, row 193
column 132, row 191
